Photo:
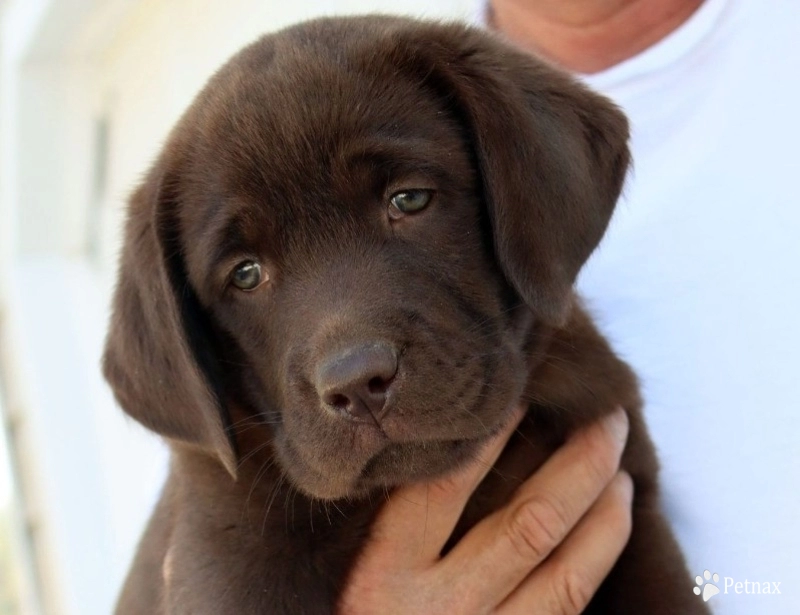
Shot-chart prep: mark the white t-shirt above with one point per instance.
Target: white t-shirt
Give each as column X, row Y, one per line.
column 697, row 285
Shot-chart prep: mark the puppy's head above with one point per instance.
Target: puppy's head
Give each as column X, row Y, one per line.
column 351, row 234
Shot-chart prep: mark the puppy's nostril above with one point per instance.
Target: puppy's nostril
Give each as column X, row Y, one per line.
column 377, row 385
column 356, row 380
column 340, row 402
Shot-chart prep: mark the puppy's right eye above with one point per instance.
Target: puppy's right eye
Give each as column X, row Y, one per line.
column 247, row 276
column 408, row 202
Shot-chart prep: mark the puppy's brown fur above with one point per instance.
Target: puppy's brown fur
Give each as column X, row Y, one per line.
column 290, row 158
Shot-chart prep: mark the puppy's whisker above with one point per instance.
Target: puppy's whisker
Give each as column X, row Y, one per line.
column 341, row 512
column 246, row 428
column 469, row 412
column 257, row 449
column 246, row 421
column 261, row 472
column 275, row 490
column 525, row 438
column 291, row 495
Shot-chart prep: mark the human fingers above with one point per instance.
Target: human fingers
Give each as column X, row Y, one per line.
column 501, row 551
column 567, row 580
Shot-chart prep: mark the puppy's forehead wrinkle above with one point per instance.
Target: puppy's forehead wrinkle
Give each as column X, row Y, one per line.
column 229, row 234
column 401, row 157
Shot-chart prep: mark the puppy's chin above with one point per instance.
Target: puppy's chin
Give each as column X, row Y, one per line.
column 401, row 464
column 397, row 464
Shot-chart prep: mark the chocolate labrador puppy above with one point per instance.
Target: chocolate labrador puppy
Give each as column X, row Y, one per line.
column 353, row 257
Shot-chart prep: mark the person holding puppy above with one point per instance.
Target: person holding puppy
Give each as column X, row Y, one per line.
column 696, row 285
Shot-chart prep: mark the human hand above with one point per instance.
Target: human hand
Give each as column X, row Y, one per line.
column 547, row 550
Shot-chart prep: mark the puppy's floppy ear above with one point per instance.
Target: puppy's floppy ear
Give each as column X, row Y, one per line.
column 552, row 156
column 157, row 356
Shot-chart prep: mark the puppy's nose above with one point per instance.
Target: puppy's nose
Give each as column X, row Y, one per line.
column 356, row 381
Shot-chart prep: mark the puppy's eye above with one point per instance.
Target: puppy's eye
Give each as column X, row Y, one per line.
column 247, row 275
column 409, row 202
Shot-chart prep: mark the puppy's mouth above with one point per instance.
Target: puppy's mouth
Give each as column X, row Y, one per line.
column 394, row 465
column 351, row 472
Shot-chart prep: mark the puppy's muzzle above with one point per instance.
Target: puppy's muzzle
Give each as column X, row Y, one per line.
column 356, row 382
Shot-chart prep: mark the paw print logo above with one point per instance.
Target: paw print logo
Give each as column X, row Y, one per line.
column 709, row 590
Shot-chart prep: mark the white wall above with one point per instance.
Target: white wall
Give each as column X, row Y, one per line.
column 87, row 475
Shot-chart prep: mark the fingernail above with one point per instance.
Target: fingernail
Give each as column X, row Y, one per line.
column 617, row 424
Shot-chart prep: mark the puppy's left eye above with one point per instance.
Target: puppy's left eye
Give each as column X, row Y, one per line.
column 409, row 202
column 247, row 275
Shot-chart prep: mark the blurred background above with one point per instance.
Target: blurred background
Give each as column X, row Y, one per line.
column 88, row 91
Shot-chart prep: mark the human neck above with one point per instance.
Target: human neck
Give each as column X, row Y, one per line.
column 588, row 36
